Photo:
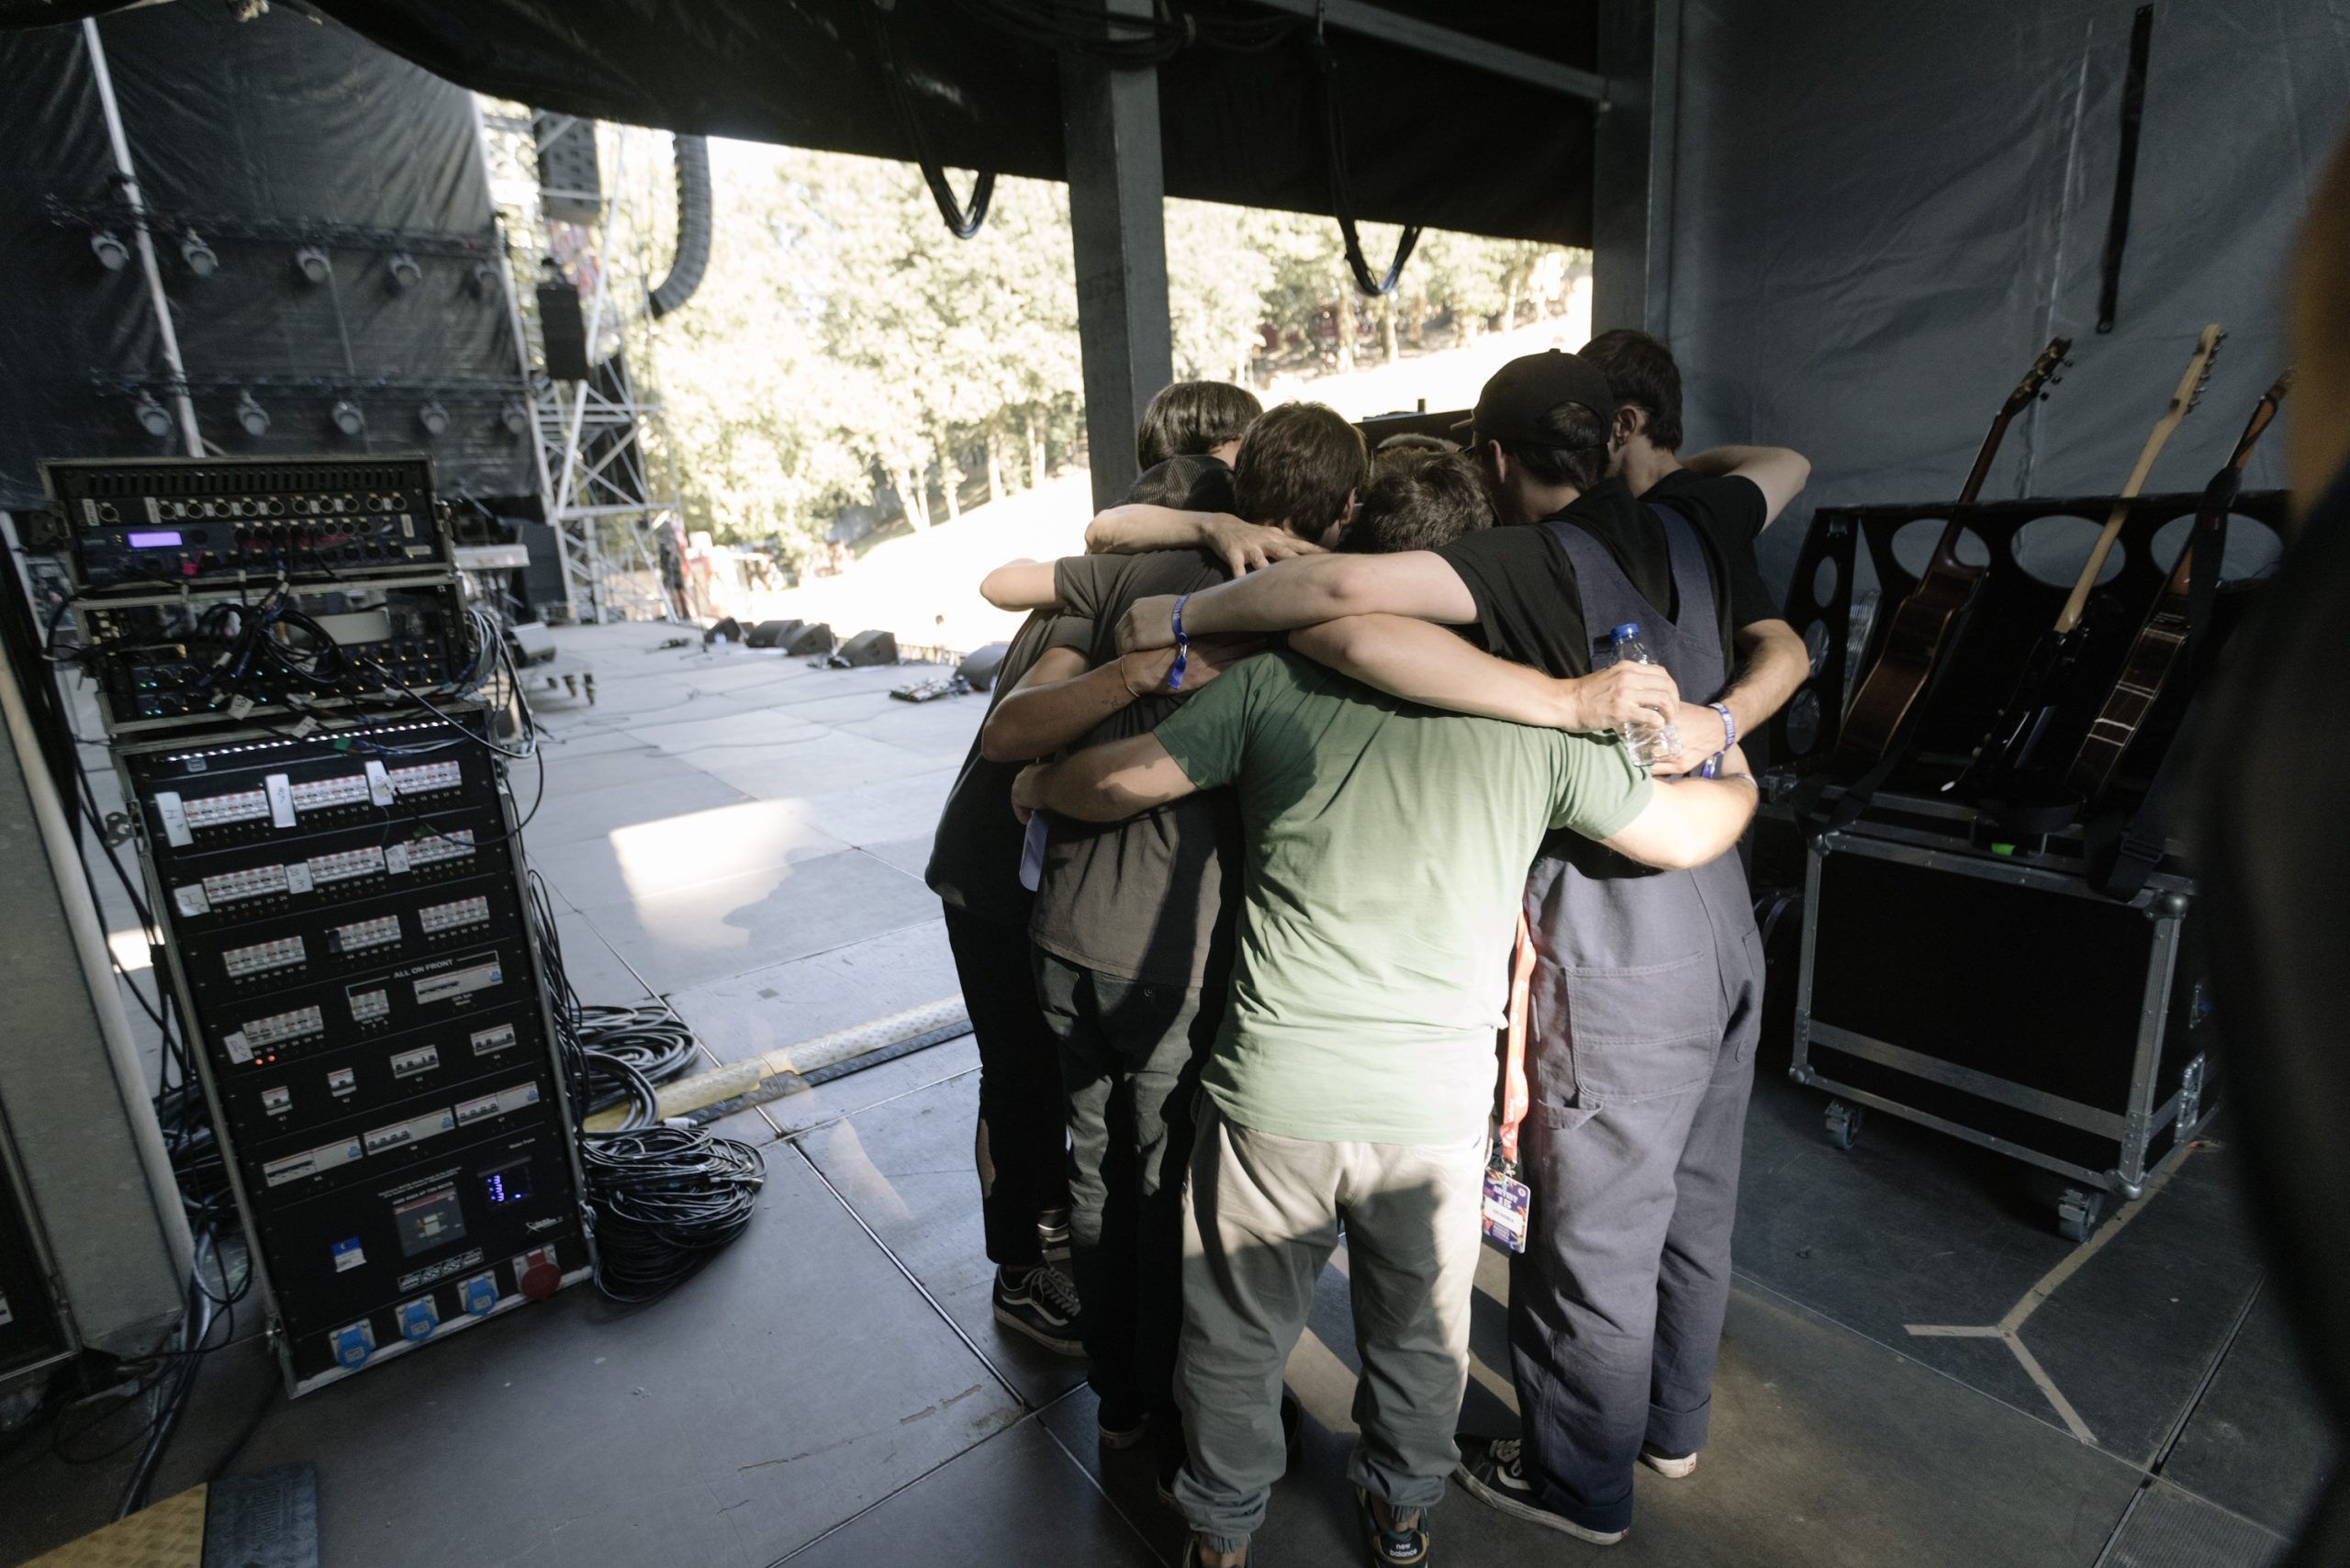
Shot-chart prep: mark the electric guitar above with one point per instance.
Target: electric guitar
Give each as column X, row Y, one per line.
column 2163, row 636
column 2004, row 759
column 1919, row 631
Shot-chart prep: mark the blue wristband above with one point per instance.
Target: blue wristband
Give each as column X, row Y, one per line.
column 1729, row 724
column 1182, row 647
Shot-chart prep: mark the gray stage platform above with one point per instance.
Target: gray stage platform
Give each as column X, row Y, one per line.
column 744, row 836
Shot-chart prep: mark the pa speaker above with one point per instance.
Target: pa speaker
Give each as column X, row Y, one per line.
column 979, row 667
column 869, row 648
column 773, row 634
column 815, row 639
column 564, row 332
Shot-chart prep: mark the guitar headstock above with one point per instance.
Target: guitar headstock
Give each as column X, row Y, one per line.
column 2042, row 374
column 2198, row 372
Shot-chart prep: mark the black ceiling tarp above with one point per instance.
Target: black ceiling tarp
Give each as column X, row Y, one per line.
column 1428, row 141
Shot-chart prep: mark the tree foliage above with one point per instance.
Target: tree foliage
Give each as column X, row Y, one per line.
column 844, row 351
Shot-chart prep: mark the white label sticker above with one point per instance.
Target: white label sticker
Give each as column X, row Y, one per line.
column 297, row 877
column 191, row 900
column 280, row 791
column 379, row 784
column 396, row 858
column 240, row 706
column 174, row 815
column 462, row 982
column 349, row 1255
column 234, row 1043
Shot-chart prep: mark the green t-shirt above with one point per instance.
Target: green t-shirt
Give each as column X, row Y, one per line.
column 1385, row 853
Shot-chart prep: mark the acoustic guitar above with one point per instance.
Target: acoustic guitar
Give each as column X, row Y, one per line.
column 2003, row 760
column 2157, row 649
column 1920, row 632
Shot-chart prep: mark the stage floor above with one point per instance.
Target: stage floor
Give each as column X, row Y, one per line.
column 746, row 836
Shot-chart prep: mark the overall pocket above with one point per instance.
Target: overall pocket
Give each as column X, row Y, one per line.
column 1621, row 1034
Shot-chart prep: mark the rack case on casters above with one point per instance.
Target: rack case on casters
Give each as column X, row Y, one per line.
column 1999, row 997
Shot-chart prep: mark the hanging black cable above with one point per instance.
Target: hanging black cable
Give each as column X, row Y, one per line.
column 1341, row 197
column 961, row 221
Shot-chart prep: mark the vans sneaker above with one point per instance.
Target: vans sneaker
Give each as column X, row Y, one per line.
column 1041, row 1304
column 1493, row 1470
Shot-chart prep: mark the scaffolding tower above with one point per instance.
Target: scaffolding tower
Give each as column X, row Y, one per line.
column 602, row 446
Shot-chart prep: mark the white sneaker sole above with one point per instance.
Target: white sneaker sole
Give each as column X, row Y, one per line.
column 1670, row 1468
column 1531, row 1514
column 1060, row 1347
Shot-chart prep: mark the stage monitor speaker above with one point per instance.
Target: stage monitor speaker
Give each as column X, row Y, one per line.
column 869, row 648
column 564, row 331
column 812, row 639
column 773, row 634
column 978, row 667
column 534, row 643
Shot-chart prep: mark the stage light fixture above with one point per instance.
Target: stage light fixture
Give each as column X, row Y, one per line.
column 201, row 259
column 313, row 263
column 406, row 273
column 347, row 416
column 112, row 253
column 251, row 416
column 434, row 418
column 517, row 418
column 154, row 418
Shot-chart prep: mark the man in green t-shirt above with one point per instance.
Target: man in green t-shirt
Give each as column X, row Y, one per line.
column 1352, row 1077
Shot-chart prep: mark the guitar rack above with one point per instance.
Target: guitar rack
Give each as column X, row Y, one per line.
column 2012, row 607
column 1951, row 972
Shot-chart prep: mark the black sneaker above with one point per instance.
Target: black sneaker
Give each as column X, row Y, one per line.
column 1120, row 1429
column 1052, row 1232
column 1493, row 1470
column 1042, row 1306
column 1406, row 1546
column 1671, row 1466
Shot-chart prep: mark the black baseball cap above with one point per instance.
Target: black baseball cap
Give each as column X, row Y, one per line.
column 1517, row 395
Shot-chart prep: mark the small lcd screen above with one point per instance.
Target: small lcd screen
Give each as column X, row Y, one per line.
column 435, row 1219
column 166, row 539
column 508, row 1183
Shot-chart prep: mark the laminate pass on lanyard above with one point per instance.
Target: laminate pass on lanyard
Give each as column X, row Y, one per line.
column 1506, row 1199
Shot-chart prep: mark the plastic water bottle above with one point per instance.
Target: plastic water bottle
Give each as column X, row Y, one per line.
column 1648, row 744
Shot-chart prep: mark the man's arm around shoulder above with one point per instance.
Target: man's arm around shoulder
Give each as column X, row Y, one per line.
column 1779, row 472
column 1306, row 592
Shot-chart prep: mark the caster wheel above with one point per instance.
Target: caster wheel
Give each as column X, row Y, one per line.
column 2078, row 1213
column 1844, row 1123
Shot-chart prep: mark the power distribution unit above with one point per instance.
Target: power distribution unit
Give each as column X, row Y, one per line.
column 349, row 936
column 1999, row 997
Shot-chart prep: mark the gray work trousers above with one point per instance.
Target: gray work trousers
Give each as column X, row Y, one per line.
column 1261, row 1222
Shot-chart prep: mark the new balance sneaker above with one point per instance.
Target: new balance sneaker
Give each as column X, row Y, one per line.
column 1041, row 1304
column 1494, row 1471
column 1671, row 1466
column 1404, row 1546
column 1052, row 1231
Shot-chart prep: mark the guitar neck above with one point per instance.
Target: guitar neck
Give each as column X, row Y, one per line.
column 1945, row 555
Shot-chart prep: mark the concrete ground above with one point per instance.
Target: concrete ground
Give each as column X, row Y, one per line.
column 744, row 836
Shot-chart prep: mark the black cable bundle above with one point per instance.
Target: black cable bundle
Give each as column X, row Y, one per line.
column 666, row 1198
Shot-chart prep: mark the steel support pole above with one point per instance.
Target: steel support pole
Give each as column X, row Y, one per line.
column 1117, row 228
column 1632, row 165
column 145, row 241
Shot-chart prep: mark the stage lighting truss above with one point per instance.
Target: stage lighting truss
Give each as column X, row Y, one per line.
column 252, row 417
column 314, row 240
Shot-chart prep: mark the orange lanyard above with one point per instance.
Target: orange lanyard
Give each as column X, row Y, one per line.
column 1515, row 1096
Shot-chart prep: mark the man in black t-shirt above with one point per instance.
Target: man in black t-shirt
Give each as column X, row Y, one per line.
column 1646, row 997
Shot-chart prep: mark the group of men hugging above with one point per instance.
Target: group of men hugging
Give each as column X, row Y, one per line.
column 1327, row 725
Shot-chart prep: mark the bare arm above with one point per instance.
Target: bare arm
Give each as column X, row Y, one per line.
column 1423, row 662
column 1022, row 585
column 1059, row 701
column 1772, row 662
column 1689, row 822
column 1243, row 546
column 1102, row 783
column 1415, row 583
column 1777, row 471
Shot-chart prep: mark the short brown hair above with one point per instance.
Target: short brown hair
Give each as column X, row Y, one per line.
column 1418, row 501
column 1188, row 419
column 1641, row 372
column 1298, row 466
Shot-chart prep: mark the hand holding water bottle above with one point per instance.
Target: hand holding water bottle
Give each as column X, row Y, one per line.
column 1650, row 744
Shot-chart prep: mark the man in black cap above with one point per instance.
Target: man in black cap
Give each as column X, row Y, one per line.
column 1648, row 989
